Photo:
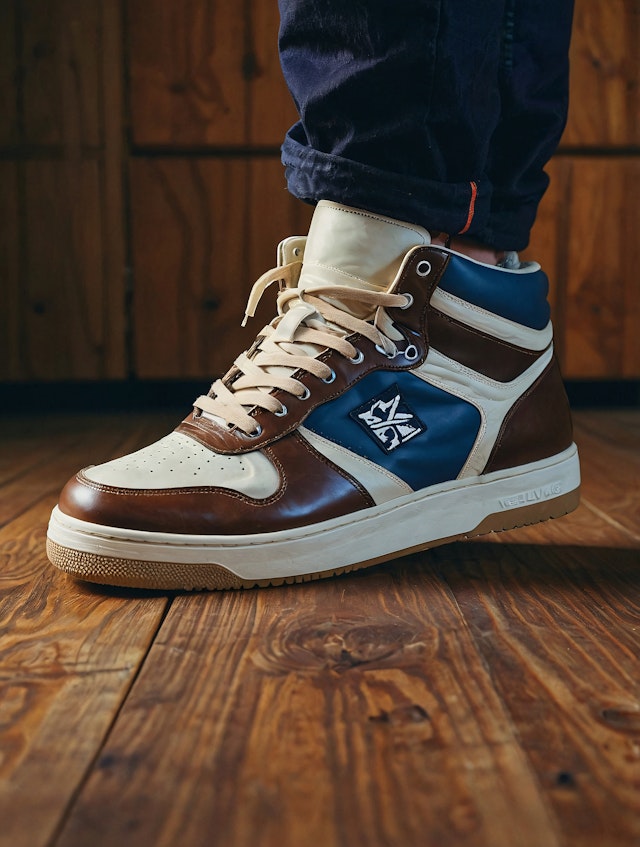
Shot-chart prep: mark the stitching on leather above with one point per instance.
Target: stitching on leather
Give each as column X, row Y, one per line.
column 535, row 354
column 166, row 492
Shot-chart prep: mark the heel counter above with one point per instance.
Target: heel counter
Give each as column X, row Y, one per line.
column 537, row 426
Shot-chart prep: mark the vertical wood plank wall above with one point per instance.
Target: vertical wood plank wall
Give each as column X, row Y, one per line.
column 141, row 191
column 62, row 247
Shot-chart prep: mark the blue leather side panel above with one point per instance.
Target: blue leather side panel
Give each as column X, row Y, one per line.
column 417, row 431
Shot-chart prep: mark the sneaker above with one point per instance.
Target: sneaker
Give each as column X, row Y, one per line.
column 404, row 396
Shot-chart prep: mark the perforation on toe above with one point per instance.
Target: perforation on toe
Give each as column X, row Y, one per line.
column 178, row 461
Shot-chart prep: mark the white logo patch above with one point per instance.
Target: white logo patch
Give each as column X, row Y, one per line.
column 388, row 419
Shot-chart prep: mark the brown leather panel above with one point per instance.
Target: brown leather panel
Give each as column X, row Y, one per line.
column 312, row 489
column 412, row 322
column 477, row 350
column 537, row 426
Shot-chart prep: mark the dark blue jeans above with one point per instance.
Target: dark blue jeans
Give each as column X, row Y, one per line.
column 438, row 112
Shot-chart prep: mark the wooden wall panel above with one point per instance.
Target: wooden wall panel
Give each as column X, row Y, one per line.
column 61, row 74
column 549, row 238
column 186, row 72
column 206, row 73
column 64, row 323
column 605, row 74
column 546, row 236
column 63, row 295
column 8, row 64
column 271, row 111
column 602, row 313
column 203, row 231
column 585, row 240
column 10, row 300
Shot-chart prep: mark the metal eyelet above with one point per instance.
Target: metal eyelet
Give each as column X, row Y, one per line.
column 328, row 380
column 423, row 268
column 296, row 251
column 384, row 352
column 257, row 432
column 281, row 412
column 409, row 302
column 359, row 357
column 411, row 353
column 305, row 395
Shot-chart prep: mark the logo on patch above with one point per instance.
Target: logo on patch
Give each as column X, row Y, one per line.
column 388, row 419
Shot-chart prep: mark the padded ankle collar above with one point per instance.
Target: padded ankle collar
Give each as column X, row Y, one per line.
column 520, row 296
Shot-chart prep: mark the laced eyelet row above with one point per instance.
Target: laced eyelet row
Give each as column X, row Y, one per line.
column 385, row 354
column 411, row 353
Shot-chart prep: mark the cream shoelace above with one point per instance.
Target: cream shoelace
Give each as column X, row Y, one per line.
column 306, row 325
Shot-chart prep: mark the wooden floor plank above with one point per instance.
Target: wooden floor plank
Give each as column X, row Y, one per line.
column 68, row 653
column 48, row 455
column 555, row 609
column 351, row 712
column 68, row 656
column 559, row 630
column 610, row 462
column 619, row 426
column 25, row 453
column 478, row 694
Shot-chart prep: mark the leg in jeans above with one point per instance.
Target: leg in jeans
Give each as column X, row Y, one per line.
column 407, row 392
column 438, row 112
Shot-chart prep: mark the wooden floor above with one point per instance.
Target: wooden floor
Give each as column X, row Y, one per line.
column 483, row 694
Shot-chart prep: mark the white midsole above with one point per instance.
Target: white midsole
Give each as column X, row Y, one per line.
column 453, row 508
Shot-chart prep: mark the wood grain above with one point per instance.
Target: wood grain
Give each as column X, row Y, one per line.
column 11, row 296
column 482, row 693
column 602, row 289
column 68, row 654
column 565, row 662
column 206, row 73
column 204, row 230
column 205, row 76
column 584, row 240
column 610, row 472
column 61, row 71
column 113, row 191
column 67, row 658
column 9, row 130
column 548, row 245
column 37, row 467
column 62, row 254
column 271, row 108
column 64, row 327
column 185, row 64
column 605, row 75
column 353, row 712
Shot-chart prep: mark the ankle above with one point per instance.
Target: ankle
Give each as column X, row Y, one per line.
column 469, row 247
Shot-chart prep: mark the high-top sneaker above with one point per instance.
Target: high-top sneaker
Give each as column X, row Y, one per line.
column 404, row 396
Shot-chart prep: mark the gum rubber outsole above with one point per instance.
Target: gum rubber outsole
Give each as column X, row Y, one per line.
column 181, row 576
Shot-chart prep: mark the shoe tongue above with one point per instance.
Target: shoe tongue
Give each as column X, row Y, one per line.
column 354, row 248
